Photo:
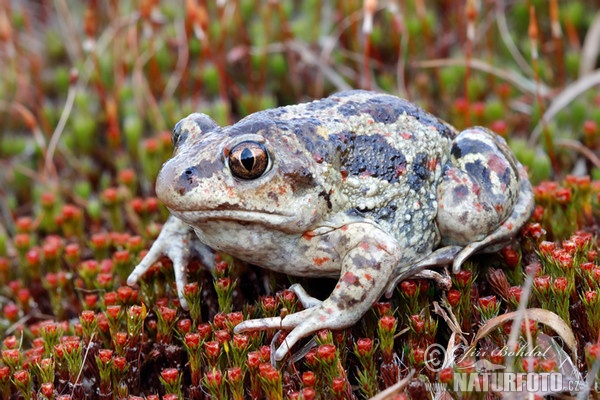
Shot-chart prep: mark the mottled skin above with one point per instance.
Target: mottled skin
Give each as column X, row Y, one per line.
column 362, row 186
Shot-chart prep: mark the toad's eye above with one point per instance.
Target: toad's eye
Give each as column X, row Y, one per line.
column 248, row 160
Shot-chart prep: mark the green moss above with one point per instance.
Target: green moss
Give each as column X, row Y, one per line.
column 13, row 145
column 574, row 12
column 494, row 110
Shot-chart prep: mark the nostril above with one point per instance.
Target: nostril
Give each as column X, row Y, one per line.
column 189, row 173
column 187, row 180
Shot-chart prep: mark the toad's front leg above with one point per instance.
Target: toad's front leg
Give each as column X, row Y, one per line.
column 368, row 263
column 179, row 243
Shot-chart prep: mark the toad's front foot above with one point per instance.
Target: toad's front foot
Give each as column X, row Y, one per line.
column 303, row 323
column 368, row 265
column 179, row 243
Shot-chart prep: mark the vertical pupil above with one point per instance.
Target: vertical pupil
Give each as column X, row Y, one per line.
column 247, row 159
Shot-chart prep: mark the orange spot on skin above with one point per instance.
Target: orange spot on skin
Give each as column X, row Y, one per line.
column 509, row 226
column 368, row 277
column 382, row 247
column 349, row 278
column 432, row 163
column 400, row 169
column 344, row 228
column 406, row 135
column 451, row 174
column 328, row 312
column 319, row 261
column 364, row 245
column 308, row 235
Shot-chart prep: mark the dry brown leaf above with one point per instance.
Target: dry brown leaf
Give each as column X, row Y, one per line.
column 523, row 83
column 394, row 389
column 448, row 316
column 545, row 317
column 591, row 48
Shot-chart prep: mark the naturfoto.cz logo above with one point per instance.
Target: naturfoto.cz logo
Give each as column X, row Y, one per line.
column 469, row 370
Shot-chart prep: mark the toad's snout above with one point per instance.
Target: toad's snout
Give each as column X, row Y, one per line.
column 173, row 183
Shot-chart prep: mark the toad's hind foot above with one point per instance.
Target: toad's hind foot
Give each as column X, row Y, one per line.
column 305, row 299
column 440, row 257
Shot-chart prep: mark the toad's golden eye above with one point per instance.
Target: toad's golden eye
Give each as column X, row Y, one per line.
column 248, row 160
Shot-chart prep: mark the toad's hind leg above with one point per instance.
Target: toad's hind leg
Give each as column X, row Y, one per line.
column 484, row 196
column 521, row 213
column 442, row 256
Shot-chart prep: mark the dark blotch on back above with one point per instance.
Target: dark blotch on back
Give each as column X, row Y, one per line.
column 327, row 197
column 357, row 154
column 305, row 127
column 481, row 174
column 305, row 130
column 468, row 146
column 419, row 173
column 460, row 192
column 370, row 155
column 349, row 109
column 506, row 177
column 386, row 109
column 380, row 108
column 324, row 104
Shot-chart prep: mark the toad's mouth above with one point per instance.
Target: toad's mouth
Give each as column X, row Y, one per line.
column 255, row 216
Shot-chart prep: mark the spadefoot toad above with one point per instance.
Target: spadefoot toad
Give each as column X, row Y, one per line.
column 360, row 186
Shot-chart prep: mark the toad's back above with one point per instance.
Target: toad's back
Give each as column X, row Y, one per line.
column 385, row 153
